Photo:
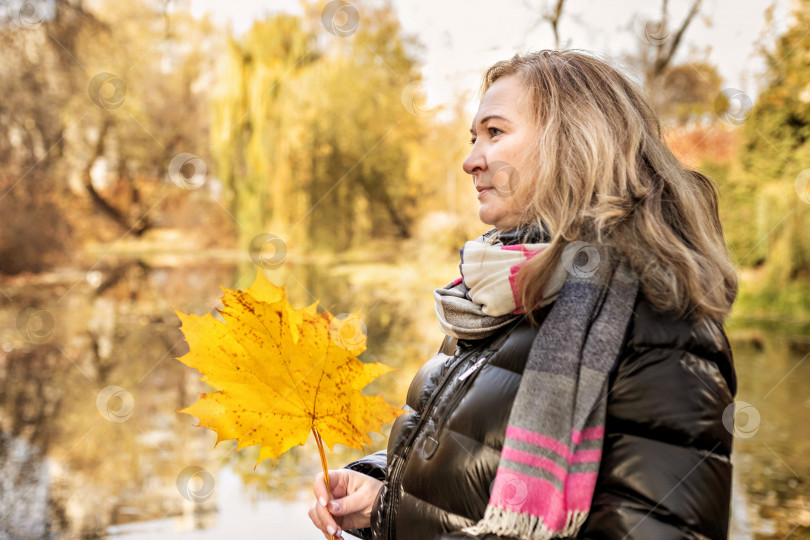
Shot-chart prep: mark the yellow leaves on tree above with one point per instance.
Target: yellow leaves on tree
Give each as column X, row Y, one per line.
column 281, row 373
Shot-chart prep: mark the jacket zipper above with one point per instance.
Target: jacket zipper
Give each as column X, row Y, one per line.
column 472, row 369
column 451, row 372
column 466, row 379
column 488, row 350
column 468, row 375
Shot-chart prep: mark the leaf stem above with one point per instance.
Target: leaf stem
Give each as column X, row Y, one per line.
column 323, row 464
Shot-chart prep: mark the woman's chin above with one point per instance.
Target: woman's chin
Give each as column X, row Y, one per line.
column 486, row 220
column 488, row 216
column 496, row 221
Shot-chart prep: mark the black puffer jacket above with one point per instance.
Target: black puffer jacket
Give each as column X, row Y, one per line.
column 665, row 470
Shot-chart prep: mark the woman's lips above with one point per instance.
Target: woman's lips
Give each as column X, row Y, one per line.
column 483, row 191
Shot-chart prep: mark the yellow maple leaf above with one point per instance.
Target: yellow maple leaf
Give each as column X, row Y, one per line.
column 281, row 373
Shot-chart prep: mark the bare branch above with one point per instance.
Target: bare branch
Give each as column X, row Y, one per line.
column 100, row 202
column 663, row 59
column 554, row 19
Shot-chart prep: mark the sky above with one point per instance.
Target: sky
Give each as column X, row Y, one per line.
column 462, row 37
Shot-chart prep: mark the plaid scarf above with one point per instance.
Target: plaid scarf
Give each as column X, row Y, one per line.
column 486, row 296
column 549, row 462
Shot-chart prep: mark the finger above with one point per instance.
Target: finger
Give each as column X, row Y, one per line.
column 339, row 481
column 337, row 486
column 313, row 515
column 319, row 487
column 316, row 520
column 318, row 484
column 346, row 505
column 360, row 500
column 318, row 512
column 328, row 522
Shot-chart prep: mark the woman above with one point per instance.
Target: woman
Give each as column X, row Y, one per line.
column 598, row 412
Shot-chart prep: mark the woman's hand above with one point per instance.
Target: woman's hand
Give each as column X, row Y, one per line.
column 349, row 504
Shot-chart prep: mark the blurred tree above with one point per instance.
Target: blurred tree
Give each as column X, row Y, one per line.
column 776, row 135
column 687, row 92
column 34, row 231
column 678, row 92
column 145, row 102
column 774, row 155
column 315, row 133
column 369, row 118
column 663, row 42
column 251, row 123
column 97, row 102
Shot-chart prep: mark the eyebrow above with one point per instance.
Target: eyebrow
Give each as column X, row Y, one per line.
column 486, row 118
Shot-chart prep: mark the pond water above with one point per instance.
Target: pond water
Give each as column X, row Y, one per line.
column 91, row 445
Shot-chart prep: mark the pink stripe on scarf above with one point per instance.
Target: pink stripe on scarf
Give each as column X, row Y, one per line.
column 587, row 434
column 538, row 440
column 534, row 461
column 580, row 456
column 513, row 286
column 513, row 271
column 515, row 247
column 527, row 494
column 587, row 456
column 579, row 488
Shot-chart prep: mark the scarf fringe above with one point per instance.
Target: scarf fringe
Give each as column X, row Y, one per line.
column 505, row 522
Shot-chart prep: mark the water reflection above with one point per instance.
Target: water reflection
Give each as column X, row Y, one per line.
column 90, row 437
column 770, row 455
column 25, row 485
column 91, row 444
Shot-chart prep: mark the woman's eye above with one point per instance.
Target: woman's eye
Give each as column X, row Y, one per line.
column 490, row 130
column 472, row 140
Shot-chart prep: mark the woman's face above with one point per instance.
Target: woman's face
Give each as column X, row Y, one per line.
column 501, row 133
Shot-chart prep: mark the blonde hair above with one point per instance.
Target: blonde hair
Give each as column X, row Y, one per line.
column 602, row 174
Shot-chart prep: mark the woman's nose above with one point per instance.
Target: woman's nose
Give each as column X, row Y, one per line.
column 475, row 162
